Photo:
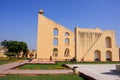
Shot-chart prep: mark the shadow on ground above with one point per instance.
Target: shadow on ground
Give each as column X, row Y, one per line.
column 112, row 72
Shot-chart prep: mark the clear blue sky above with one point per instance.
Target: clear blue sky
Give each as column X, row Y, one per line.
column 18, row 18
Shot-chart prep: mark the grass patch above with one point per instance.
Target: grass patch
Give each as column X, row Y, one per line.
column 5, row 60
column 58, row 65
column 43, row 66
column 42, row 77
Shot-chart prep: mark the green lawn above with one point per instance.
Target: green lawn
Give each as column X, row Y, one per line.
column 43, row 66
column 58, row 65
column 42, row 77
column 5, row 60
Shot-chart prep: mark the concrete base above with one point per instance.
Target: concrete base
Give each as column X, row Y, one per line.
column 118, row 67
column 75, row 69
column 97, row 71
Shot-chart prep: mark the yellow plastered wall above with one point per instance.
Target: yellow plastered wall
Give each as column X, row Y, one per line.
column 93, row 40
column 45, row 39
column 82, row 43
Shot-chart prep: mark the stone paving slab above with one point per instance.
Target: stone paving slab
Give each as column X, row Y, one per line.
column 98, row 71
column 5, row 67
column 39, row 72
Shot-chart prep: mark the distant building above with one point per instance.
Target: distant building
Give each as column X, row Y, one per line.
column 32, row 54
column 58, row 42
column 20, row 54
column 2, row 51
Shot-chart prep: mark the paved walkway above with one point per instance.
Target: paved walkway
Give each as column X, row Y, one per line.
column 98, row 71
column 5, row 67
column 8, row 69
column 35, row 72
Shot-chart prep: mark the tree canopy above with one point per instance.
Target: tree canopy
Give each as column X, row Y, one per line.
column 15, row 46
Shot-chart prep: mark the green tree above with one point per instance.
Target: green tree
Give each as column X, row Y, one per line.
column 14, row 47
column 4, row 43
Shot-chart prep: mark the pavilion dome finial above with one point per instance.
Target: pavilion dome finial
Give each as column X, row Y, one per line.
column 41, row 12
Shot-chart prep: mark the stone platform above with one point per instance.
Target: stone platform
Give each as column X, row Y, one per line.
column 98, row 71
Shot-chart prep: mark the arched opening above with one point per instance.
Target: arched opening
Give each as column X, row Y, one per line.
column 55, row 52
column 108, row 42
column 97, row 55
column 66, row 41
column 108, row 56
column 67, row 34
column 67, row 52
column 55, row 32
column 55, row 42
